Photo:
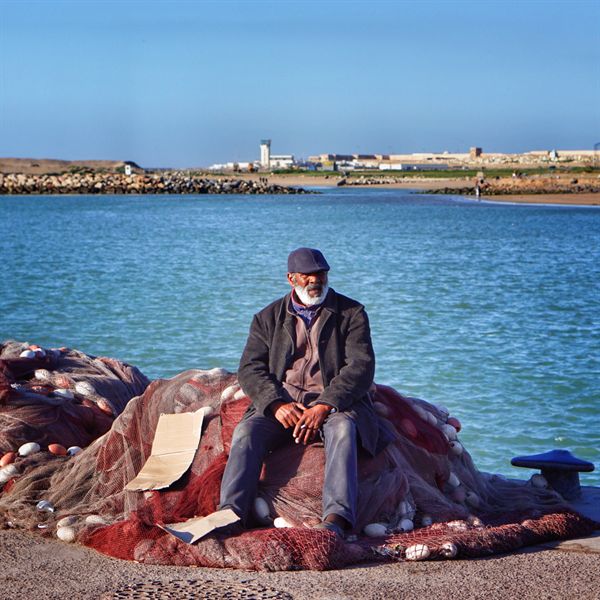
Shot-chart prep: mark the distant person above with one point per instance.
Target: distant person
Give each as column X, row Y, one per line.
column 307, row 368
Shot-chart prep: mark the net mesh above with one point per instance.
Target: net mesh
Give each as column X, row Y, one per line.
column 424, row 477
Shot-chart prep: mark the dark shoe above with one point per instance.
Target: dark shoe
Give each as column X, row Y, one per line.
column 230, row 530
column 326, row 525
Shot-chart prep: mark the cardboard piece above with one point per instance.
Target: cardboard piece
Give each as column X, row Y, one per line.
column 192, row 530
column 176, row 440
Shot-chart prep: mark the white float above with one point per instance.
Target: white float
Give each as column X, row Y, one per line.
column 28, row 449
column 66, row 534
column 449, row 550
column 375, row 530
column 281, row 523
column 417, row 552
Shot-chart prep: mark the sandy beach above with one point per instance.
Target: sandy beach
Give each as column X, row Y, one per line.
column 567, row 199
column 583, row 199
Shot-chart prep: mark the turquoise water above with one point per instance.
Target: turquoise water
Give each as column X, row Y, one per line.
column 492, row 310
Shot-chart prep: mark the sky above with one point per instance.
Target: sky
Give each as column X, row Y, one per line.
column 191, row 83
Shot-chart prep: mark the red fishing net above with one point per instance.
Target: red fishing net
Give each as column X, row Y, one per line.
column 61, row 395
column 422, row 497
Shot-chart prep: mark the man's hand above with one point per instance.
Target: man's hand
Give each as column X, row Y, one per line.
column 310, row 422
column 287, row 413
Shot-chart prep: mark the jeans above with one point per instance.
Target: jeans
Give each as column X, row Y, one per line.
column 256, row 436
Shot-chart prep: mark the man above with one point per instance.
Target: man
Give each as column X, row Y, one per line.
column 307, row 368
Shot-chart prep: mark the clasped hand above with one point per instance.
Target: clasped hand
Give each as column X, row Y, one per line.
column 305, row 421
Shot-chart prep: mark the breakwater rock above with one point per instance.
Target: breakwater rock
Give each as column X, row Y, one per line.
column 154, row 183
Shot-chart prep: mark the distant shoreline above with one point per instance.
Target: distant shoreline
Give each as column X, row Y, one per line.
column 421, row 184
column 46, row 176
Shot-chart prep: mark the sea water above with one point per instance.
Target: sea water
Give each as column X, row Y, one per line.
column 492, row 310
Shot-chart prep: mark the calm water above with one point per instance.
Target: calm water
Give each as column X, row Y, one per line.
column 492, row 310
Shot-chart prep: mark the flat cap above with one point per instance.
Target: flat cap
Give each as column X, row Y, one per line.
column 306, row 260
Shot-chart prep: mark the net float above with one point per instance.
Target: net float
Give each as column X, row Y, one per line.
column 539, row 481
column 7, row 473
column 73, row 450
column 44, row 506
column 27, row 354
column 66, row 534
column 421, row 412
column 375, row 530
column 455, row 423
column 449, row 432
column 229, row 392
column 85, row 388
column 8, row 458
column 426, row 521
column 281, row 523
column 475, row 521
column 417, row 552
column 29, row 448
column 95, row 520
column 57, row 449
column 67, row 521
column 105, row 407
column 432, row 418
column 42, row 374
column 64, row 393
column 458, row 525
column 448, row 550
column 239, row 394
column 453, row 480
column 456, row 448
column 443, row 410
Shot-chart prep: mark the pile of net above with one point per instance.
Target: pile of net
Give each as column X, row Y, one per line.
column 421, row 498
column 60, row 397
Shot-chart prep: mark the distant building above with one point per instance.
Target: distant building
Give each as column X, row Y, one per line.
column 282, row 161
column 474, row 152
column 128, row 169
column 265, row 154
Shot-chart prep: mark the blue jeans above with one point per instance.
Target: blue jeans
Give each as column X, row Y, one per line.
column 256, row 436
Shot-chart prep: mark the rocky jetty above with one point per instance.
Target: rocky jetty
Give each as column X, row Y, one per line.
column 153, row 183
column 535, row 185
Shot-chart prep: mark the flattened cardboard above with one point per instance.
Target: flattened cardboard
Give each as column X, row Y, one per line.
column 192, row 530
column 176, row 440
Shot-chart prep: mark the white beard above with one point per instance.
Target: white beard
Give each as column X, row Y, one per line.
column 306, row 299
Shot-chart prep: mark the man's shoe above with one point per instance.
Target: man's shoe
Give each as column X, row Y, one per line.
column 334, row 527
column 230, row 530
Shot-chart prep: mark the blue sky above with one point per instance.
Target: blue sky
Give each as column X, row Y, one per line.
column 187, row 84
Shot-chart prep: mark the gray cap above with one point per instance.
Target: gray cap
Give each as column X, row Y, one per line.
column 306, row 260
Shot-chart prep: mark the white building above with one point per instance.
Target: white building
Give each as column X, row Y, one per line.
column 265, row 154
column 282, row 161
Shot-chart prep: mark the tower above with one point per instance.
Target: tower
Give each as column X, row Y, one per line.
column 265, row 154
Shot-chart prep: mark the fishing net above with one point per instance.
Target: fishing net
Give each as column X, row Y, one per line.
column 422, row 497
column 61, row 395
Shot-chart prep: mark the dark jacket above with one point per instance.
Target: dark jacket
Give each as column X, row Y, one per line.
column 346, row 359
